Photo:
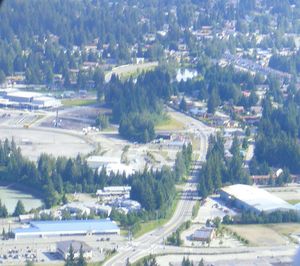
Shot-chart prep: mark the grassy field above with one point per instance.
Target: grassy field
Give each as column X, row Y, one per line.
column 286, row 229
column 169, row 124
column 266, row 234
column 78, row 102
column 293, row 201
column 151, row 225
column 132, row 70
column 136, row 73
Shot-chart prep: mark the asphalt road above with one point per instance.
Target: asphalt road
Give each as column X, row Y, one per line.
column 152, row 241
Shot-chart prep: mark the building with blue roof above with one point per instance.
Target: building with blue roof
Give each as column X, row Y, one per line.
column 67, row 228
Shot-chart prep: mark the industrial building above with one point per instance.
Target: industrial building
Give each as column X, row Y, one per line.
column 67, row 228
column 25, row 99
column 111, row 164
column 63, row 249
column 254, row 199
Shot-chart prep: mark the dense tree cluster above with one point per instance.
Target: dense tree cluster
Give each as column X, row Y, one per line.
column 264, row 218
column 277, row 140
column 3, row 210
column 188, row 262
column 51, row 177
column 183, row 162
column 136, row 105
column 217, row 170
column 72, row 261
column 20, row 209
column 156, row 190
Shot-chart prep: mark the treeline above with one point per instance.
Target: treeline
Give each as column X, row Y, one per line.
column 263, row 218
column 136, row 105
column 217, row 170
column 277, row 142
column 155, row 190
column 51, row 177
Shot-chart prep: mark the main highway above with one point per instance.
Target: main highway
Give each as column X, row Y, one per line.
column 150, row 242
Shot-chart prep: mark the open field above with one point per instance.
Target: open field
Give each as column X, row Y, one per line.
column 78, row 102
column 262, row 235
column 293, row 201
column 286, row 229
column 287, row 193
column 131, row 69
column 34, row 141
column 170, row 124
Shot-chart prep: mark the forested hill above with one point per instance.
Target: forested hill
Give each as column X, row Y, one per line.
column 48, row 37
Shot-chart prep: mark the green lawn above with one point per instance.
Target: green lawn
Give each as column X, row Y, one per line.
column 78, row 102
column 169, row 124
column 293, row 201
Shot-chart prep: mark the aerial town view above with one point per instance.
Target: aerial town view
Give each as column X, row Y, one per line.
column 150, row 132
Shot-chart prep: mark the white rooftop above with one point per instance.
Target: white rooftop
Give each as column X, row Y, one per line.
column 25, row 94
column 107, row 159
column 256, row 197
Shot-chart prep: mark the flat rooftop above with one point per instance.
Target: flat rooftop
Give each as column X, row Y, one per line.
column 258, row 198
column 68, row 227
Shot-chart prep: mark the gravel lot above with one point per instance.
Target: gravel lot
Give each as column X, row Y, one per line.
column 34, row 141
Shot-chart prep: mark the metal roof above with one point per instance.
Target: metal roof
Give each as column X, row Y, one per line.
column 68, row 226
column 258, row 198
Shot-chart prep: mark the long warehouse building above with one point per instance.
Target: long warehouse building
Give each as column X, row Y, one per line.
column 254, row 199
column 67, row 228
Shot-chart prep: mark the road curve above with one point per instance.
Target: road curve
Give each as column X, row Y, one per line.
column 148, row 243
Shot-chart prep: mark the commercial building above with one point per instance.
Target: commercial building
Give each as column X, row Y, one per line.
column 113, row 192
column 126, row 205
column 67, row 228
column 63, row 249
column 254, row 199
column 205, row 234
column 26, row 99
column 75, row 208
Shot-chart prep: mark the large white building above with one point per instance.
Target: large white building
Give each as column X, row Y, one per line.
column 27, row 99
column 254, row 199
column 42, row 229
